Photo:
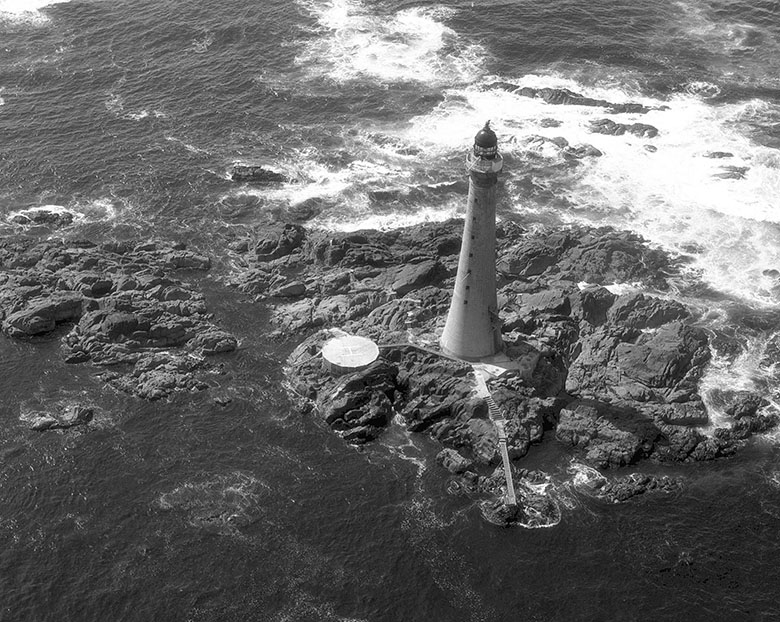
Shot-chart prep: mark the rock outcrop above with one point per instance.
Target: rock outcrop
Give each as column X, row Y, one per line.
column 120, row 306
column 70, row 416
column 52, row 218
column 565, row 97
column 612, row 128
column 257, row 174
column 617, row 375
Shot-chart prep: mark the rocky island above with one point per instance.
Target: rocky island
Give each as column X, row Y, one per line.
column 616, row 377
column 120, row 306
column 596, row 351
column 615, row 374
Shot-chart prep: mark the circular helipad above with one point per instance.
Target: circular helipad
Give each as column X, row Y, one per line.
column 349, row 353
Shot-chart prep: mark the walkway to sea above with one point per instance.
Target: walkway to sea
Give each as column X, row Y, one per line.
column 499, row 421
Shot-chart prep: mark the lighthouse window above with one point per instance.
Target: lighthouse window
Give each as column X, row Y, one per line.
column 471, row 254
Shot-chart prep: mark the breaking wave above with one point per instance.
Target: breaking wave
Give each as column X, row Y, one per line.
column 25, row 11
column 351, row 42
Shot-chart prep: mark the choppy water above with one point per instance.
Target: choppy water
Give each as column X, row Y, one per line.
column 129, row 114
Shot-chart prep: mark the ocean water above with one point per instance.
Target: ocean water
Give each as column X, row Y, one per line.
column 130, row 114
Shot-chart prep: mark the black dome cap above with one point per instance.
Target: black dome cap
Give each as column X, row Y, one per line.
column 486, row 138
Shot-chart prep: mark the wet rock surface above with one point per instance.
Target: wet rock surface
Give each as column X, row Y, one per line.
column 68, row 416
column 617, row 374
column 120, row 306
column 565, row 97
column 53, row 218
column 256, row 174
column 612, row 128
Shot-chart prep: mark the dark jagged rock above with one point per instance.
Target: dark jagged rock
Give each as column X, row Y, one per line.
column 718, row 155
column 732, row 172
column 568, row 98
column 294, row 289
column 279, row 243
column 559, row 148
column 212, row 340
column 42, row 314
column 435, row 388
column 120, row 301
column 616, row 376
column 582, row 151
column 611, row 128
column 611, row 436
column 42, row 216
column 525, row 419
column 637, row 311
column 499, row 513
column 43, row 422
column 453, row 461
column 414, row 276
column 691, row 413
column 621, row 489
column 76, row 414
column 155, row 375
column 591, row 304
column 647, row 367
column 257, row 174
column 595, row 256
column 745, row 404
column 360, row 405
column 70, row 416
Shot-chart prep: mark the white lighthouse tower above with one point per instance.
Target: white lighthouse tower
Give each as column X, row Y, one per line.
column 473, row 329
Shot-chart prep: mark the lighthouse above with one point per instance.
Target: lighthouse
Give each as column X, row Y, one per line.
column 473, row 329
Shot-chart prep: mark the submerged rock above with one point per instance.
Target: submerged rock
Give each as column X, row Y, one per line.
column 607, row 126
column 257, row 174
column 453, row 461
column 43, row 422
column 568, row 98
column 70, row 416
column 621, row 489
column 732, row 172
column 41, row 216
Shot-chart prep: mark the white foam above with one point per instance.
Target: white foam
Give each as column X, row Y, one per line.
column 98, row 210
column 144, row 114
column 30, row 212
column 115, row 104
column 188, row 146
column 202, row 45
column 26, row 10
column 411, row 45
column 368, row 220
column 346, row 191
column 747, row 372
column 672, row 197
column 584, row 476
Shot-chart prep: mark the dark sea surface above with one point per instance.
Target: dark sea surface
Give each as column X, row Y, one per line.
column 130, row 114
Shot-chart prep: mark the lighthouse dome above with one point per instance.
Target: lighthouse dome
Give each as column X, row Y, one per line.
column 486, row 143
